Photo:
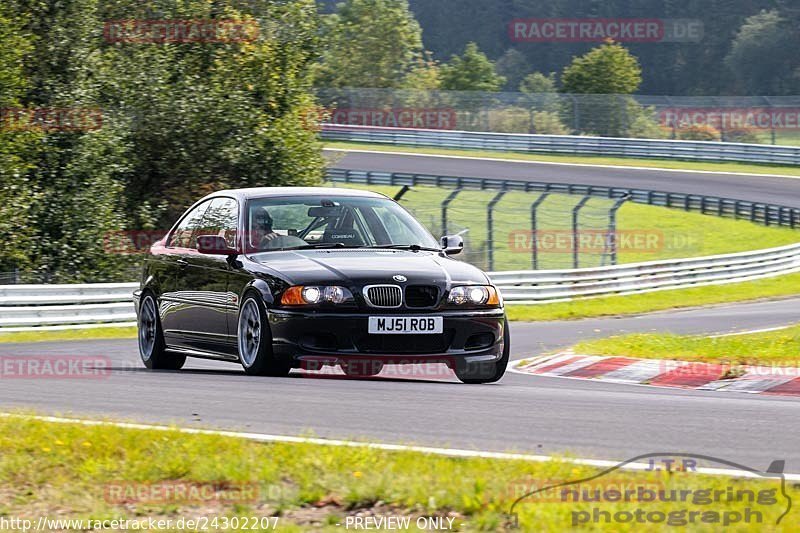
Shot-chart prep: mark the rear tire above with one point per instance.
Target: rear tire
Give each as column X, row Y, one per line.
column 255, row 340
column 486, row 372
column 152, row 348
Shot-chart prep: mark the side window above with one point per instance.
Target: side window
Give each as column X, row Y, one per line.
column 221, row 219
column 185, row 235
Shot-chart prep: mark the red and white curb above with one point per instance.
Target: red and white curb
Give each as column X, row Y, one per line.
column 784, row 381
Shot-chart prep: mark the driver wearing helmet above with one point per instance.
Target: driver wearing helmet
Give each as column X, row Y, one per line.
column 262, row 229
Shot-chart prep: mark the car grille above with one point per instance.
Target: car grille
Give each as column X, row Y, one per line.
column 421, row 295
column 384, row 295
column 405, row 344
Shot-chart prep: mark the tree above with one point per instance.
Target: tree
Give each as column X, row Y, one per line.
column 607, row 69
column 538, row 83
column 513, row 66
column 764, row 57
column 425, row 75
column 178, row 120
column 18, row 146
column 599, row 82
column 472, row 71
column 369, row 43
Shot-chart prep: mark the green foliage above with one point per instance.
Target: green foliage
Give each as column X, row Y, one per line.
column 548, row 123
column 514, row 67
column 369, row 43
column 699, row 132
column 472, row 71
column 179, row 120
column 763, row 56
column 425, row 75
column 17, row 146
column 607, row 69
column 536, row 83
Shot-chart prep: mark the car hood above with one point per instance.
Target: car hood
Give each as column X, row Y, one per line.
column 360, row 267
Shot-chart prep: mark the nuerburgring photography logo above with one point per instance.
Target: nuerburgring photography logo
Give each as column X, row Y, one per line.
column 742, row 496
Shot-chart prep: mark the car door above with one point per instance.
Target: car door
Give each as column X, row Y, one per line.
column 204, row 282
column 171, row 273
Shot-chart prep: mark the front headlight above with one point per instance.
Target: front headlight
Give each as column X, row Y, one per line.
column 474, row 295
column 313, row 294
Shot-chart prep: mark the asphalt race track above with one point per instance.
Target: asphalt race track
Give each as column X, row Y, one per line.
column 521, row 413
column 777, row 190
column 533, row 414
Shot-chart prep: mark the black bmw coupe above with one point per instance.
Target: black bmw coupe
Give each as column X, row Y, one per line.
column 282, row 278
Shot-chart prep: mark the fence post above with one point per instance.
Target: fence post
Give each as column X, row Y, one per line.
column 399, row 195
column 490, row 228
column 612, row 226
column 534, row 231
column 575, row 235
column 445, row 203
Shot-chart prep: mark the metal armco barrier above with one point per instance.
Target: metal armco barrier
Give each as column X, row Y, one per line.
column 566, row 144
column 541, row 286
column 25, row 306
column 767, row 214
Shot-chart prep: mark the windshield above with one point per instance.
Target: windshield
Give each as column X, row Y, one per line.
column 298, row 222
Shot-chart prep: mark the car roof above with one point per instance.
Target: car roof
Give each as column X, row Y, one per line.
column 266, row 192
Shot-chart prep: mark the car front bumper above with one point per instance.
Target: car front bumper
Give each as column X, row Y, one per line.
column 333, row 338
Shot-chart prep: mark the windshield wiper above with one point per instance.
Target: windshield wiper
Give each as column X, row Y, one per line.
column 411, row 247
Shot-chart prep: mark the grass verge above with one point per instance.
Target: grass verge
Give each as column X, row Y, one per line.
column 779, row 347
column 745, row 168
column 779, row 286
column 99, row 472
column 69, row 334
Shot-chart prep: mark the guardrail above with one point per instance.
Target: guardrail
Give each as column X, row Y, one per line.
column 23, row 307
column 767, row 214
column 48, row 306
column 542, row 286
column 566, row 144
column 27, row 307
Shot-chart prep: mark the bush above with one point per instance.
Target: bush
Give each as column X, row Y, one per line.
column 741, row 135
column 548, row 123
column 698, row 132
column 509, row 120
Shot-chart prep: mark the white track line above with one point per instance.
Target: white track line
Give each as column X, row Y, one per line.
column 448, row 452
column 749, row 331
column 558, row 163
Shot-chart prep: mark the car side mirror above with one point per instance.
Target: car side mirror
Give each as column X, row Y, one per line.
column 452, row 244
column 214, row 245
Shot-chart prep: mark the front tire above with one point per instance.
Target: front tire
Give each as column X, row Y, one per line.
column 152, row 348
column 475, row 373
column 255, row 340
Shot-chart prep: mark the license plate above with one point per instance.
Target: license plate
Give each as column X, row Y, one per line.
column 405, row 324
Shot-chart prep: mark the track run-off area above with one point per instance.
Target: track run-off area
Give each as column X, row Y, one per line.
column 522, row 413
